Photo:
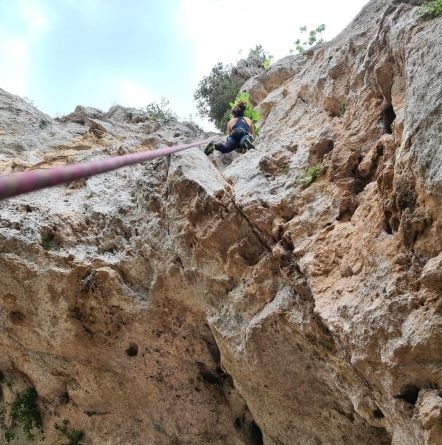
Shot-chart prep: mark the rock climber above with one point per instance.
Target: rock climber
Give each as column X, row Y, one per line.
column 240, row 130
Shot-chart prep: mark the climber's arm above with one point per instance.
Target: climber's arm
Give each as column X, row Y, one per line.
column 229, row 127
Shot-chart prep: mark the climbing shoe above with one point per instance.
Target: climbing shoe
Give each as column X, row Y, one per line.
column 247, row 144
column 209, row 149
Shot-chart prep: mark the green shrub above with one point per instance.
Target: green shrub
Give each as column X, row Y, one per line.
column 250, row 111
column 74, row 436
column 309, row 176
column 219, row 89
column 260, row 53
column 431, row 9
column 267, row 63
column 160, row 112
column 215, row 92
column 25, row 413
column 314, row 37
column 342, row 108
column 47, row 242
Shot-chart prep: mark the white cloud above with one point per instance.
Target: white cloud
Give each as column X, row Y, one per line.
column 219, row 29
column 14, row 64
column 35, row 17
column 16, row 47
column 131, row 93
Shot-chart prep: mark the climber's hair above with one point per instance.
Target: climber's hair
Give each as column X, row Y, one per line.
column 238, row 109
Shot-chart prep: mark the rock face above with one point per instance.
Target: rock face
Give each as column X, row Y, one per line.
column 291, row 295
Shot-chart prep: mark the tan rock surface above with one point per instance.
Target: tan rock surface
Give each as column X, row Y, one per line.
column 237, row 301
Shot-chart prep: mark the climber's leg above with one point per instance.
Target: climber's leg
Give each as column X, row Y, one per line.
column 246, row 142
column 228, row 146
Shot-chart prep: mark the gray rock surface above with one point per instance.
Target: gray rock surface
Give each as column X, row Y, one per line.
column 248, row 299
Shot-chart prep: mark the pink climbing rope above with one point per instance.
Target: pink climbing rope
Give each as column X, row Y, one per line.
column 25, row 182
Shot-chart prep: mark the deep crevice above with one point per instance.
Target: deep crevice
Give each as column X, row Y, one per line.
column 378, row 414
column 389, row 117
column 238, row 424
column 208, row 375
column 256, row 437
column 409, row 394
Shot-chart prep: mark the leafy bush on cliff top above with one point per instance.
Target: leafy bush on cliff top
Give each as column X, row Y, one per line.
column 314, row 37
column 431, row 9
column 217, row 91
column 260, row 53
column 161, row 112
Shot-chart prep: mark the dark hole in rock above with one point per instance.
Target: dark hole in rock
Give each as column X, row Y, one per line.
column 378, row 414
column 410, row 394
column 43, row 124
column 350, row 417
column 208, row 375
column 389, row 116
column 380, row 150
column 251, row 253
column 406, row 195
column 358, row 186
column 287, row 243
column 16, row 317
column 237, row 424
column 264, row 205
column 178, row 262
column 64, row 398
column 319, row 149
column 347, row 208
column 256, row 434
column 387, row 219
column 132, row 350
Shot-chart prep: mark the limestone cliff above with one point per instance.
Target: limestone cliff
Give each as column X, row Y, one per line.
column 245, row 299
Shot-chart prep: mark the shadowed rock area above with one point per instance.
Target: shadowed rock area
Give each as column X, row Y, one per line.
column 239, row 300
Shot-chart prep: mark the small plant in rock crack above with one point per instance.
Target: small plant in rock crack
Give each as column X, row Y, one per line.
column 48, row 242
column 74, row 437
column 431, row 9
column 285, row 169
column 342, row 108
column 309, row 176
column 360, row 49
column 24, row 413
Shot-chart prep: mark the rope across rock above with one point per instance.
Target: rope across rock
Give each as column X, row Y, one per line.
column 29, row 181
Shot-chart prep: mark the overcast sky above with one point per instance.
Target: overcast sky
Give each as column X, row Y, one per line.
column 60, row 53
